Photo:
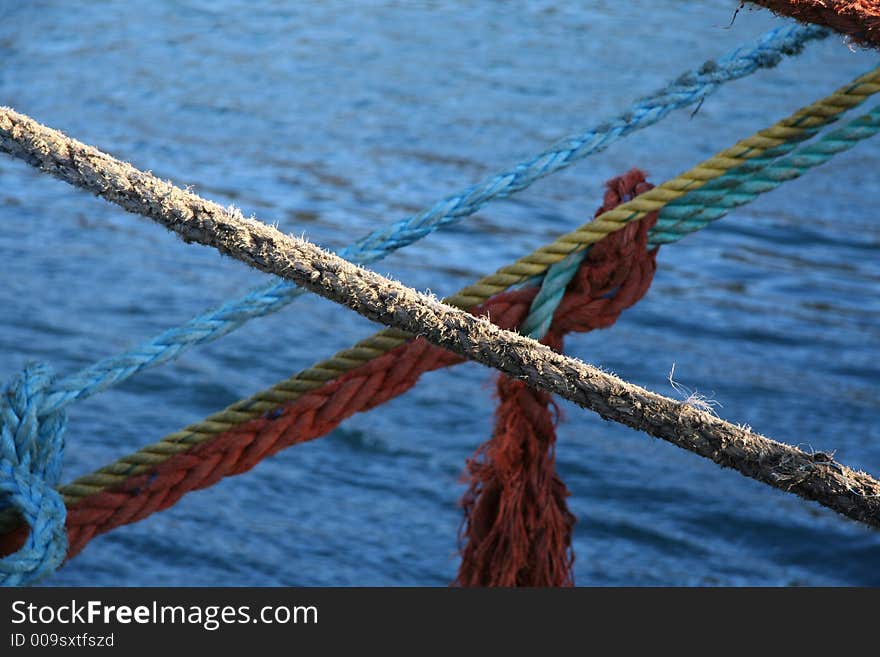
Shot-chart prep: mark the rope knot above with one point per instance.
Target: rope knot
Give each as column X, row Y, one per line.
column 31, row 451
column 517, row 529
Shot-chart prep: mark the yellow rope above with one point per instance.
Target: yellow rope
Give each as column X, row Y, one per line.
column 536, row 263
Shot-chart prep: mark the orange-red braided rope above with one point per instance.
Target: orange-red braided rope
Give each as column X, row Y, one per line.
column 518, row 529
column 857, row 19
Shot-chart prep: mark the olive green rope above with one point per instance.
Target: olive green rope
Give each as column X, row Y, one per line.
column 798, row 126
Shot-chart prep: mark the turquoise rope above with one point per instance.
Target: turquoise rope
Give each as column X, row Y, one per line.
column 697, row 209
column 556, row 279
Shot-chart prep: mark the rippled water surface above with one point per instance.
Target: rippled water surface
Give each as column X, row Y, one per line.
column 333, row 118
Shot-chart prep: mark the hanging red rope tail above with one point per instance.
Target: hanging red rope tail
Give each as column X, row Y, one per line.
column 517, row 528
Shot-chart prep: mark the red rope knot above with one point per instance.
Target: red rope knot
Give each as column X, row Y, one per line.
column 517, row 528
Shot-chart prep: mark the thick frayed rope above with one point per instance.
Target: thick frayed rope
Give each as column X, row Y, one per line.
column 517, row 529
column 31, row 451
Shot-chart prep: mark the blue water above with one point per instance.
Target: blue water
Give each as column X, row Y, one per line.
column 332, row 118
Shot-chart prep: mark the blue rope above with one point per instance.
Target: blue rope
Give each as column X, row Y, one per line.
column 688, row 89
column 31, row 451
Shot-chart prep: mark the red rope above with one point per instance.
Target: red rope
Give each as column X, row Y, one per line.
column 319, row 411
column 517, row 529
column 857, row 19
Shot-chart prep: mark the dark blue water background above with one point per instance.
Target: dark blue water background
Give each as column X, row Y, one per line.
column 332, row 118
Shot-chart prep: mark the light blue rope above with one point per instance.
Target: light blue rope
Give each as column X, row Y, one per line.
column 31, row 452
column 688, row 89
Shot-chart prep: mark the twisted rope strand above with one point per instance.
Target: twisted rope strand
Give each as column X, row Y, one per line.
column 31, row 452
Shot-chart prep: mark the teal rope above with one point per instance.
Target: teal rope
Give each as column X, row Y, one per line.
column 695, row 210
column 556, row 279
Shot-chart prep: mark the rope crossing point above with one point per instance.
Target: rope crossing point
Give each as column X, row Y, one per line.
column 748, row 151
column 527, row 268
column 175, row 341
column 804, row 125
